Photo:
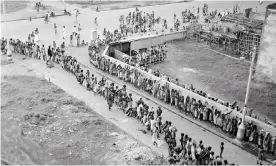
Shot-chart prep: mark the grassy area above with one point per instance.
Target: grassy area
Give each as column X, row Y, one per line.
column 66, row 130
column 218, row 75
column 115, row 4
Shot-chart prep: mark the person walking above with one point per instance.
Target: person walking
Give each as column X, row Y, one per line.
column 49, row 52
column 71, row 40
column 63, row 33
column 55, row 28
column 221, row 149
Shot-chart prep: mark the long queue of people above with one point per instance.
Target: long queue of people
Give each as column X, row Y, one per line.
column 188, row 152
column 188, row 105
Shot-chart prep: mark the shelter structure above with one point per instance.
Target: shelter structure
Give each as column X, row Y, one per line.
column 136, row 47
column 235, row 33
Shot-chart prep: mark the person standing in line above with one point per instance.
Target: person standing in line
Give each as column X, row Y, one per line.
column 33, row 37
column 54, row 45
column 49, row 53
column 221, row 149
column 71, row 40
column 36, row 35
column 260, row 155
column 55, row 28
column 154, row 133
column 78, row 40
column 75, row 30
column 63, row 33
column 182, row 141
column 79, row 29
column 46, row 19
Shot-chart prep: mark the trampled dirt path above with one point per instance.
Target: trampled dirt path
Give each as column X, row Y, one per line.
column 42, row 124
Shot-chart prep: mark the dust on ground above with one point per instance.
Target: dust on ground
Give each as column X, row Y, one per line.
column 59, row 127
column 218, row 75
column 13, row 6
column 17, row 10
column 114, row 4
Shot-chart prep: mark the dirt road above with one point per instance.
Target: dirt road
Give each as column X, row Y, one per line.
column 42, row 124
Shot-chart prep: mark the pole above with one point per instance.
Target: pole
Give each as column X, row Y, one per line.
column 241, row 128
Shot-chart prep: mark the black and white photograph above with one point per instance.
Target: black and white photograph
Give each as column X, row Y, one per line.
column 138, row 82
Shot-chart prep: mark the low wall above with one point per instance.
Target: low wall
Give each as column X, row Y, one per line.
column 145, row 42
column 185, row 92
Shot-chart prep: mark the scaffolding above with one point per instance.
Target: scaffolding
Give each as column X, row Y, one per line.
column 239, row 42
column 247, row 41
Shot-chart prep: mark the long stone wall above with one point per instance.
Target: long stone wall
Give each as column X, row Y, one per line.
column 185, row 92
column 146, row 42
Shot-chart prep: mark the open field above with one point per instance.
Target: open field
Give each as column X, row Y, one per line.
column 113, row 5
column 51, row 127
column 13, row 6
column 218, row 75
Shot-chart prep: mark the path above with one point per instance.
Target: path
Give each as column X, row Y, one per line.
column 21, row 29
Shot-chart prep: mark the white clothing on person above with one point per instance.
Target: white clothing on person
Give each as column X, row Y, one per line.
column 152, row 124
column 154, row 135
column 36, row 37
column 64, row 33
column 75, row 29
column 139, row 110
column 193, row 151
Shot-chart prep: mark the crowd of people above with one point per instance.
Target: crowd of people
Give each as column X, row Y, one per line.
column 191, row 16
column 188, row 152
column 188, row 105
column 136, row 22
column 39, row 6
column 151, row 55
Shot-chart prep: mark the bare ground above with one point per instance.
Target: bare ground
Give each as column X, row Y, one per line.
column 115, row 4
column 51, row 127
column 218, row 75
column 13, row 6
